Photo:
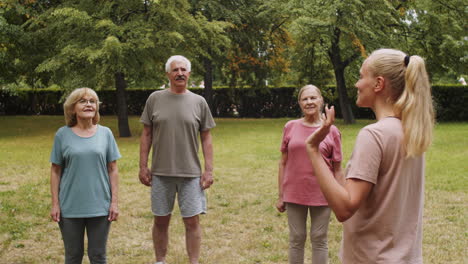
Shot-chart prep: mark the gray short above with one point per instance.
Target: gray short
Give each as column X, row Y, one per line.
column 190, row 196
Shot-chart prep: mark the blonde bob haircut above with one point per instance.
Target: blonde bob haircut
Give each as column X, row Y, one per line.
column 410, row 94
column 72, row 100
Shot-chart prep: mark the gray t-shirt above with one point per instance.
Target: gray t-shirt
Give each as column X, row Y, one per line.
column 176, row 120
column 84, row 189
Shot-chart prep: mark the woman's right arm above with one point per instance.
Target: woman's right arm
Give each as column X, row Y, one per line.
column 282, row 164
column 55, row 174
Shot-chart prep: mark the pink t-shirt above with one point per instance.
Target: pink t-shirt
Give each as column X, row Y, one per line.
column 387, row 228
column 300, row 185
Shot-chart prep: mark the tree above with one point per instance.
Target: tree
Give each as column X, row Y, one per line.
column 9, row 34
column 257, row 35
column 20, row 52
column 436, row 30
column 344, row 30
column 109, row 43
column 211, row 42
column 259, row 39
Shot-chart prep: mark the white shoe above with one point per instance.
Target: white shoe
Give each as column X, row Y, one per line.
column 159, row 262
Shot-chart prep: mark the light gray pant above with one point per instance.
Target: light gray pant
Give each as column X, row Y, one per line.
column 97, row 230
column 297, row 220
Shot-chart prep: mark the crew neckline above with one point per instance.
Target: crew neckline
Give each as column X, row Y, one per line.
column 302, row 123
column 95, row 132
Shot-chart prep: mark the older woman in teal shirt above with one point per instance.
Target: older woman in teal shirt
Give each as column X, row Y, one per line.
column 84, row 178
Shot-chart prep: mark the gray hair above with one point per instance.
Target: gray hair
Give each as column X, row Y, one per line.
column 178, row 58
column 309, row 86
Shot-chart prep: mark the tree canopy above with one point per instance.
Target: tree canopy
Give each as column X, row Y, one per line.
column 119, row 44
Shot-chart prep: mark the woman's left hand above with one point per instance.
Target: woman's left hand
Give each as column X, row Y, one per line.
column 313, row 141
column 113, row 212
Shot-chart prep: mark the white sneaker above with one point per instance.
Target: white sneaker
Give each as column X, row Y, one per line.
column 159, row 262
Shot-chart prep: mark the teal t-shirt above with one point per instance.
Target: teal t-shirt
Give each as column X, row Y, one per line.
column 84, row 189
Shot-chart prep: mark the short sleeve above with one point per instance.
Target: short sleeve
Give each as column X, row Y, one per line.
column 337, row 155
column 56, row 156
column 286, row 137
column 112, row 148
column 365, row 160
column 207, row 121
column 146, row 115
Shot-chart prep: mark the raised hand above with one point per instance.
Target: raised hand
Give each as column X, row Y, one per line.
column 313, row 141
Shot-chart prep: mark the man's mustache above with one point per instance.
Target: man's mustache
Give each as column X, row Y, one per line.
column 180, row 78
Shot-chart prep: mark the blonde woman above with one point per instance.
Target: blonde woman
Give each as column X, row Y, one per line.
column 299, row 192
column 84, row 178
column 381, row 203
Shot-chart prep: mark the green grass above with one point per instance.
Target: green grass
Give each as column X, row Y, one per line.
column 242, row 225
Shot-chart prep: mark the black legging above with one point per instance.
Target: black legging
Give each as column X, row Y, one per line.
column 97, row 230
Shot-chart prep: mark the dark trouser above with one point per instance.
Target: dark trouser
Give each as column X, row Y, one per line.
column 97, row 230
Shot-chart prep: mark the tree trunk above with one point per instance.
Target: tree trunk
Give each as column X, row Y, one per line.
column 343, row 97
column 339, row 67
column 233, row 79
column 34, row 104
column 122, row 115
column 208, row 79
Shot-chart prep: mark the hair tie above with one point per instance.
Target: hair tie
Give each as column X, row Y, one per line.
column 407, row 57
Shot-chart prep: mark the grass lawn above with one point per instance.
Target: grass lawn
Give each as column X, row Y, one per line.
column 242, row 225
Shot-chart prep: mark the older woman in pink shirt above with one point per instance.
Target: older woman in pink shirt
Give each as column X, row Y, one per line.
column 299, row 191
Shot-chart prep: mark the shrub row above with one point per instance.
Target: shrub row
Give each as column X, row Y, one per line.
column 256, row 103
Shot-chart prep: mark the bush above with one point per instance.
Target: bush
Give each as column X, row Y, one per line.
column 29, row 102
column 240, row 102
column 450, row 102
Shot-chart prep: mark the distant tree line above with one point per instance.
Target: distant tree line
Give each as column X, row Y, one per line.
column 450, row 101
column 124, row 44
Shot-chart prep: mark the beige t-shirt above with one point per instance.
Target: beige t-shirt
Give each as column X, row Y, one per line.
column 176, row 120
column 387, row 228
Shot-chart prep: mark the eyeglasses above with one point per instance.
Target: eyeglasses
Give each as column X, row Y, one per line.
column 86, row 101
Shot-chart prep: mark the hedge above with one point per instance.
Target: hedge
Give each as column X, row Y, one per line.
column 254, row 103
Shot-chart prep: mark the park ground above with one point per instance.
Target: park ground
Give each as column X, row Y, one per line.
column 242, row 226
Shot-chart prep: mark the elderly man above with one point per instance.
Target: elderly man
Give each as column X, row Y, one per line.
column 173, row 119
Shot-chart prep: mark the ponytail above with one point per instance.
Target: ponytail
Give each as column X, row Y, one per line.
column 410, row 93
column 415, row 108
